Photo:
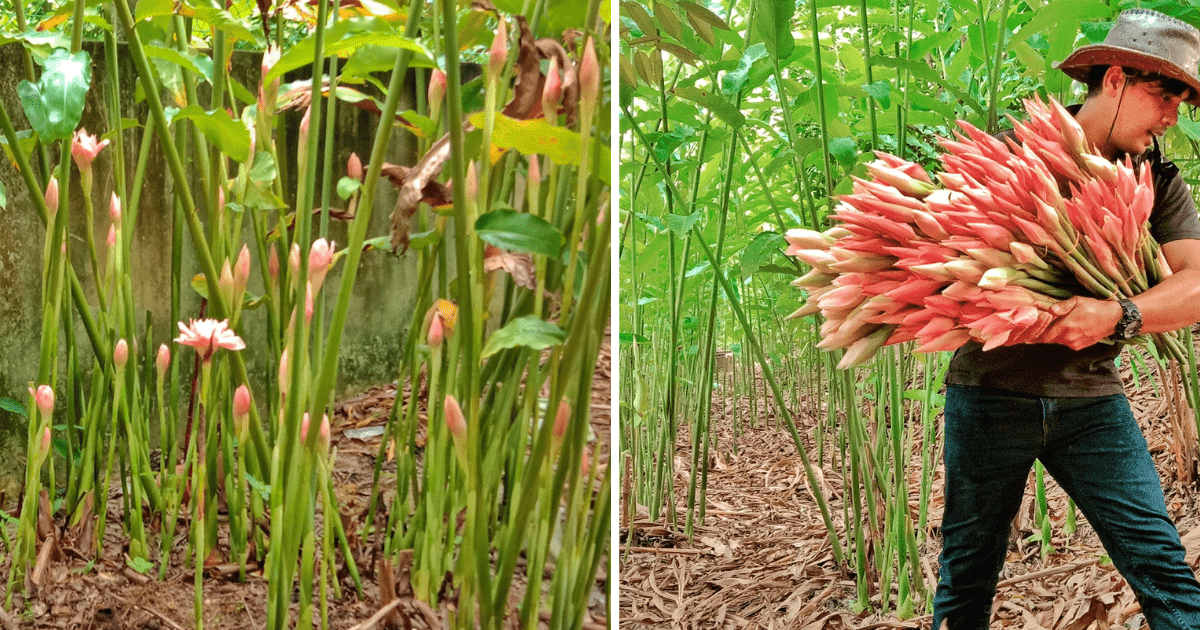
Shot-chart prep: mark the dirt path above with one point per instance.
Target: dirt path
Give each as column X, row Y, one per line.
column 762, row 558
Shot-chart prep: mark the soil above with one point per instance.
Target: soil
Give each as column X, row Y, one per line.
column 762, row 558
column 108, row 595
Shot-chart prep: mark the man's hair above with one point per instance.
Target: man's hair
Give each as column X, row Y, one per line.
column 1170, row 86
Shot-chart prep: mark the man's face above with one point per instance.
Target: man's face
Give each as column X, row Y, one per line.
column 1149, row 109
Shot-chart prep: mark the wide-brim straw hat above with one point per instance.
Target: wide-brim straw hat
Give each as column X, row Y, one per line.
column 1146, row 40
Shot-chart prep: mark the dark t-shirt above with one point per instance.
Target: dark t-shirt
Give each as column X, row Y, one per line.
column 1055, row 370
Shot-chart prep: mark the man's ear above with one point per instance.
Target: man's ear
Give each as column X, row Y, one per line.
column 1114, row 79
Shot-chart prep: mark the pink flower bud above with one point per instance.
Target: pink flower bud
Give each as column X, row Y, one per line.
column 354, row 167
column 454, row 418
column 225, row 281
column 323, row 437
column 535, row 171
column 241, row 401
column 304, row 422
column 308, row 303
column 267, row 94
column 552, row 93
column 44, row 399
column 52, row 197
column 437, row 90
column 589, row 75
column 163, row 362
column 437, row 331
column 114, row 209
column 241, row 411
column 294, row 259
column 220, row 197
column 499, row 52
column 284, row 372
column 273, row 264
column 111, row 240
column 44, row 443
column 121, row 354
column 560, row 421
column 241, row 270
column 472, row 181
column 585, row 462
column 320, row 258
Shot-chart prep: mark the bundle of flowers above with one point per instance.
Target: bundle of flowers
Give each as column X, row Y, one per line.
column 1013, row 228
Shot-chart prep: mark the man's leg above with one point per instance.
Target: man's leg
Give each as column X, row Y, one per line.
column 1098, row 455
column 992, row 438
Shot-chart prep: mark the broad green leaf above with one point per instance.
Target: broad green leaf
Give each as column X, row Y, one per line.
column 421, row 240
column 1063, row 16
column 264, row 167
column 229, row 135
column 681, row 224
column 52, row 39
column 640, row 17
column 881, row 91
column 343, row 40
column 530, row 332
column 715, row 103
column 628, row 338
column 3, row 197
column 519, row 231
column 536, row 136
column 173, row 56
column 139, row 564
column 733, row 81
column 151, row 8
column 774, row 21
column 845, row 150
column 760, row 250
column 697, row 269
column 12, row 406
column 221, row 19
column 925, row 73
column 54, row 105
column 683, row 54
column 704, row 15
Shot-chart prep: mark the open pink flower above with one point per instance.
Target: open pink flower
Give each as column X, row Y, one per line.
column 207, row 335
column 85, row 148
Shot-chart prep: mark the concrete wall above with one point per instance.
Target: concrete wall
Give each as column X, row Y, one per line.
column 384, row 292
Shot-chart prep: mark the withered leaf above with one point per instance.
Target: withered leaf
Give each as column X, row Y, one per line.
column 417, row 184
column 519, row 265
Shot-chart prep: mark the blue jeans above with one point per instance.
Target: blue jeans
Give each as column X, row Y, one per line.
column 1094, row 449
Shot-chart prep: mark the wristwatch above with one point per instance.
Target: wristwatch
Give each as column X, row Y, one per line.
column 1130, row 323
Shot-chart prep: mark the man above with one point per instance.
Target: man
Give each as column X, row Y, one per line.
column 1062, row 401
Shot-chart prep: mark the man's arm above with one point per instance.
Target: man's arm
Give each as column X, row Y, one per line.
column 1169, row 305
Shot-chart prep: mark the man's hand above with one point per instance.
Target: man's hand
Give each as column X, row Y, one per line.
column 1081, row 322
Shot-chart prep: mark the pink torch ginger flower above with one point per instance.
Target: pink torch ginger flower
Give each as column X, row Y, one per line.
column 437, row 331
column 85, row 148
column 114, row 209
column 436, row 92
column 455, row 421
column 241, row 272
column 208, row 335
column 241, row 401
column 111, row 239
column 267, row 94
column 354, row 167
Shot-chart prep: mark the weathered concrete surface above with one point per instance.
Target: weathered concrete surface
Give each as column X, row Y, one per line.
column 384, row 292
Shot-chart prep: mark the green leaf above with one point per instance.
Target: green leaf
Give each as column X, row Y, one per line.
column 519, row 231
column 379, row 242
column 845, row 150
column 1065, row 15
column 343, row 40
column 537, row 137
column 347, row 186
column 151, row 8
column 774, row 21
column 13, row 406
column 139, row 564
column 223, row 20
column 681, row 224
column 422, row 240
column 715, row 103
column 229, row 135
column 881, row 91
column 530, row 332
column 925, row 73
column 733, row 81
column 629, row 338
column 263, row 489
column 3, row 197
column 54, row 105
column 760, row 250
column 173, row 56
column 264, row 167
